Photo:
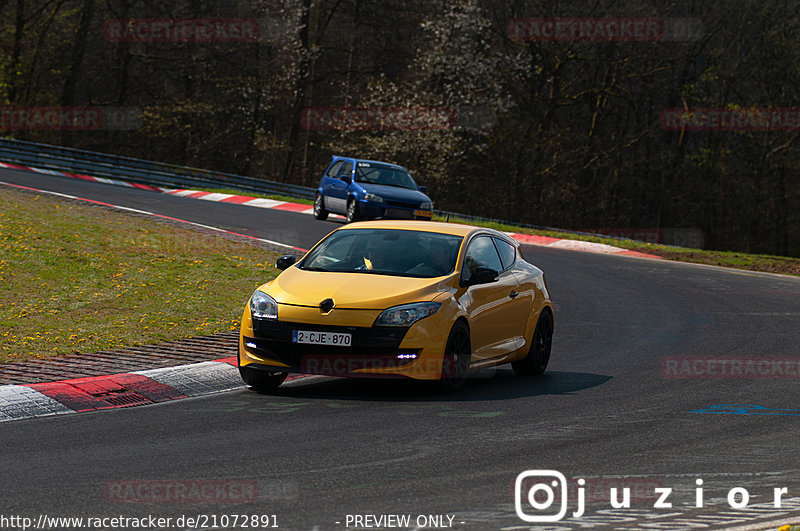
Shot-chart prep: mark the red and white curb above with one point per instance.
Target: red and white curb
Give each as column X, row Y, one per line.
column 138, row 388
column 193, row 194
column 288, row 206
column 82, row 177
column 576, row 245
column 257, row 202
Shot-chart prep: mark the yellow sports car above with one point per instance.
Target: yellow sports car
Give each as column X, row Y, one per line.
column 414, row 299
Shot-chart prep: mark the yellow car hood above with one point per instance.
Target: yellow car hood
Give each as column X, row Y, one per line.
column 364, row 291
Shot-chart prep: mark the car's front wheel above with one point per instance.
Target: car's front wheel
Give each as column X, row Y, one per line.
column 352, row 211
column 262, row 381
column 319, row 208
column 535, row 362
column 456, row 361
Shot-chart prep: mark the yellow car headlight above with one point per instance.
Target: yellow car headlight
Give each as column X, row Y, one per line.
column 262, row 306
column 407, row 314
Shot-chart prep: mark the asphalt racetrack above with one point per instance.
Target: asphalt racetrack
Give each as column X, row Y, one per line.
column 662, row 374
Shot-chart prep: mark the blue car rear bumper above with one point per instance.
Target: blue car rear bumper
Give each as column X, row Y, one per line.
column 369, row 209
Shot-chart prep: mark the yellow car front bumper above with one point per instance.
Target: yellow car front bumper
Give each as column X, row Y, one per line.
column 414, row 352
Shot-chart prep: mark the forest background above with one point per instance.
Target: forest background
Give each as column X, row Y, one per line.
column 665, row 115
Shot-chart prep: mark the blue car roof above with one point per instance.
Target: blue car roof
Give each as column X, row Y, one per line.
column 335, row 157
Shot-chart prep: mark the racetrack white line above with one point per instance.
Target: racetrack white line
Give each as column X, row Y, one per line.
column 153, row 214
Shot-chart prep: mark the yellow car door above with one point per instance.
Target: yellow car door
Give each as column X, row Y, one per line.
column 497, row 318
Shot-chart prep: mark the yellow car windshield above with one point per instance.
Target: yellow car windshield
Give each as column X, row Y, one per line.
column 385, row 252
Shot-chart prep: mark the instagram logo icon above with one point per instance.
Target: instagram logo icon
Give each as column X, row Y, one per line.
column 535, row 492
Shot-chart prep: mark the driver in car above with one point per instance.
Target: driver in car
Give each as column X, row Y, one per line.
column 439, row 262
column 374, row 256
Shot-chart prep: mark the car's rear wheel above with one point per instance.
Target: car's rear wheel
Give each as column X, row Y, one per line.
column 262, row 381
column 535, row 362
column 319, row 208
column 352, row 211
column 456, row 361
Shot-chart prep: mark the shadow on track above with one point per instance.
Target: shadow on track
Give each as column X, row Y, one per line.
column 499, row 385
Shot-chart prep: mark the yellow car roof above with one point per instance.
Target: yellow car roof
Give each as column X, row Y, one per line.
column 455, row 229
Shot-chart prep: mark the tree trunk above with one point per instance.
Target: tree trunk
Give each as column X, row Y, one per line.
column 78, row 50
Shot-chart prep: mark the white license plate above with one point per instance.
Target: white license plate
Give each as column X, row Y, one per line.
column 321, row 338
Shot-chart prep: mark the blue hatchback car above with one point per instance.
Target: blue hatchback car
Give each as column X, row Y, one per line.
column 367, row 189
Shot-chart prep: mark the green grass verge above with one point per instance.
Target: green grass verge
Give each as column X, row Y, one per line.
column 753, row 262
column 77, row 278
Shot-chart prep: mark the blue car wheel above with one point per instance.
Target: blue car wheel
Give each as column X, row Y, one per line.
column 319, row 208
column 352, row 211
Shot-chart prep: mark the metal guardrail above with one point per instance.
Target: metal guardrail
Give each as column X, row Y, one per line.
column 140, row 171
column 165, row 175
column 137, row 170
